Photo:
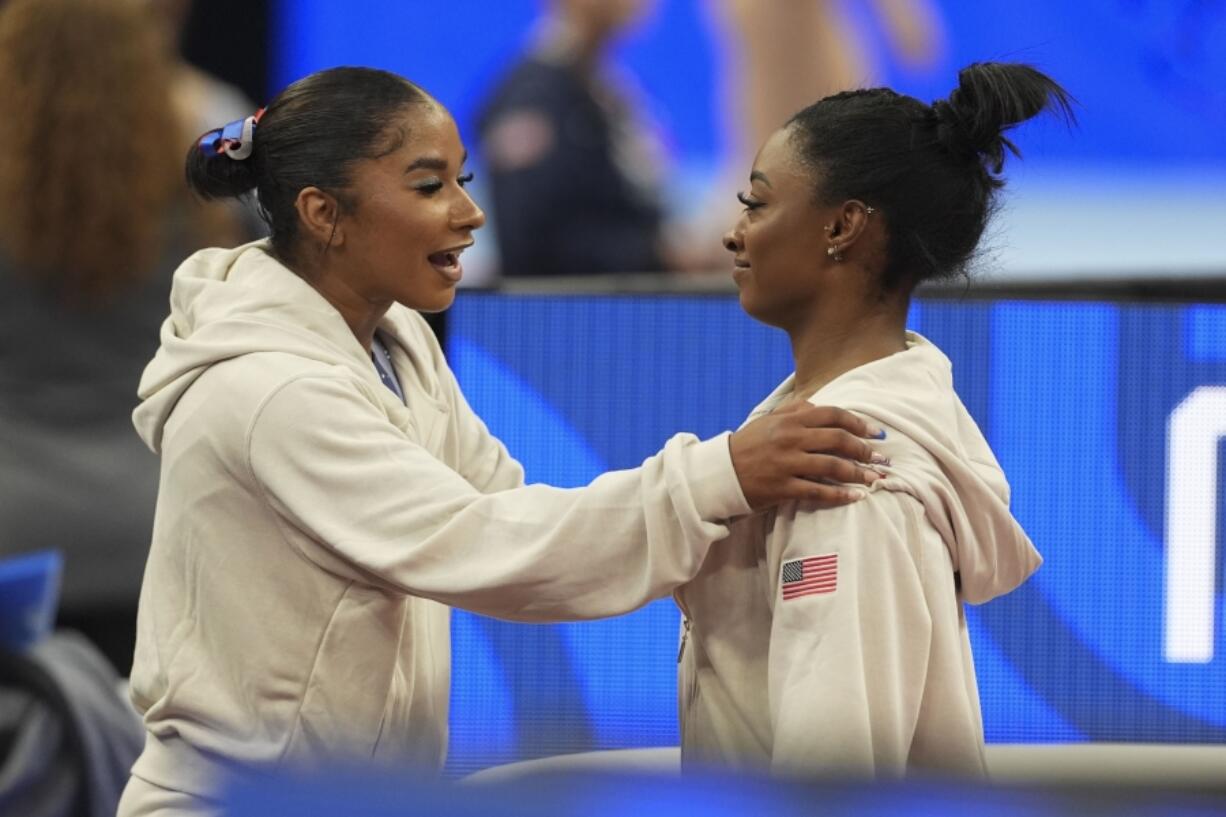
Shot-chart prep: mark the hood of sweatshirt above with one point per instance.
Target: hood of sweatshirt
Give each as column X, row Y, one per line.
column 225, row 303
column 940, row 457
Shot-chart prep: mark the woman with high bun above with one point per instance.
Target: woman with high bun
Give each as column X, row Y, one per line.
column 326, row 492
column 833, row 641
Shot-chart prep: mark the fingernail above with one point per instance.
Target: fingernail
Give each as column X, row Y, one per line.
column 856, row 496
column 879, row 459
column 876, row 432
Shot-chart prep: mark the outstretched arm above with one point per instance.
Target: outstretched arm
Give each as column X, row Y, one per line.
column 378, row 507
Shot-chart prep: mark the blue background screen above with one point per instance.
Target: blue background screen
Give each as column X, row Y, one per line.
column 1075, row 399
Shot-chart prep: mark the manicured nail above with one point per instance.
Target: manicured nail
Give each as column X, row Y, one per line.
column 855, row 496
column 879, row 459
column 876, row 432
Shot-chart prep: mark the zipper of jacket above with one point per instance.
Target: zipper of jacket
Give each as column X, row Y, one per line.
column 685, row 623
column 685, row 637
column 687, row 681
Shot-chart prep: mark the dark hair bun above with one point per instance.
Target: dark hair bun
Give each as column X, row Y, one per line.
column 991, row 97
column 216, row 175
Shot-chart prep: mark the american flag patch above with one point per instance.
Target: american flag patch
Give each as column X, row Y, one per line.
column 806, row 577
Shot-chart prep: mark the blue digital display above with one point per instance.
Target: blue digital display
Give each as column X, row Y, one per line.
column 1114, row 639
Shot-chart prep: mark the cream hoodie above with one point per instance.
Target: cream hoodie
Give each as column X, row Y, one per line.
column 311, row 529
column 857, row 663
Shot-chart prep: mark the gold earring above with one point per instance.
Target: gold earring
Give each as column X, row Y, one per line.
column 833, row 252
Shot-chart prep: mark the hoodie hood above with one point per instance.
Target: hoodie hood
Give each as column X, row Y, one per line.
column 940, row 457
column 225, row 303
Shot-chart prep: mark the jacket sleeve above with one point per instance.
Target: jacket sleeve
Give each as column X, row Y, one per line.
column 373, row 504
column 849, row 639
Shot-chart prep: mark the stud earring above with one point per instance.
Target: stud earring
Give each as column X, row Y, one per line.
column 833, row 252
column 870, row 209
column 829, row 227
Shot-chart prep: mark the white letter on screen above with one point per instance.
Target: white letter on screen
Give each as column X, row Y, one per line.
column 1196, row 426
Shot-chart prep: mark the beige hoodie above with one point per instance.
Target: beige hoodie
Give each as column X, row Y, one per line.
column 310, row 530
column 833, row 642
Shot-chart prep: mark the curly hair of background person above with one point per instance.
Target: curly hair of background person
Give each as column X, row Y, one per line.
column 92, row 145
column 96, row 216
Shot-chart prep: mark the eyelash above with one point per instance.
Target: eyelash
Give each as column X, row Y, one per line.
column 430, row 188
column 750, row 204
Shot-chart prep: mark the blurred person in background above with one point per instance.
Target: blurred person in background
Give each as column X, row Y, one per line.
column 201, row 100
column 573, row 168
column 788, row 54
column 834, row 642
column 779, row 57
column 95, row 219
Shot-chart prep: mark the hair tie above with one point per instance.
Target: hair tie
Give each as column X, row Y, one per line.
column 236, row 139
column 952, row 130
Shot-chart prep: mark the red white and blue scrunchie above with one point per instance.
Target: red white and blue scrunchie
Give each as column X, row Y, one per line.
column 235, row 140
